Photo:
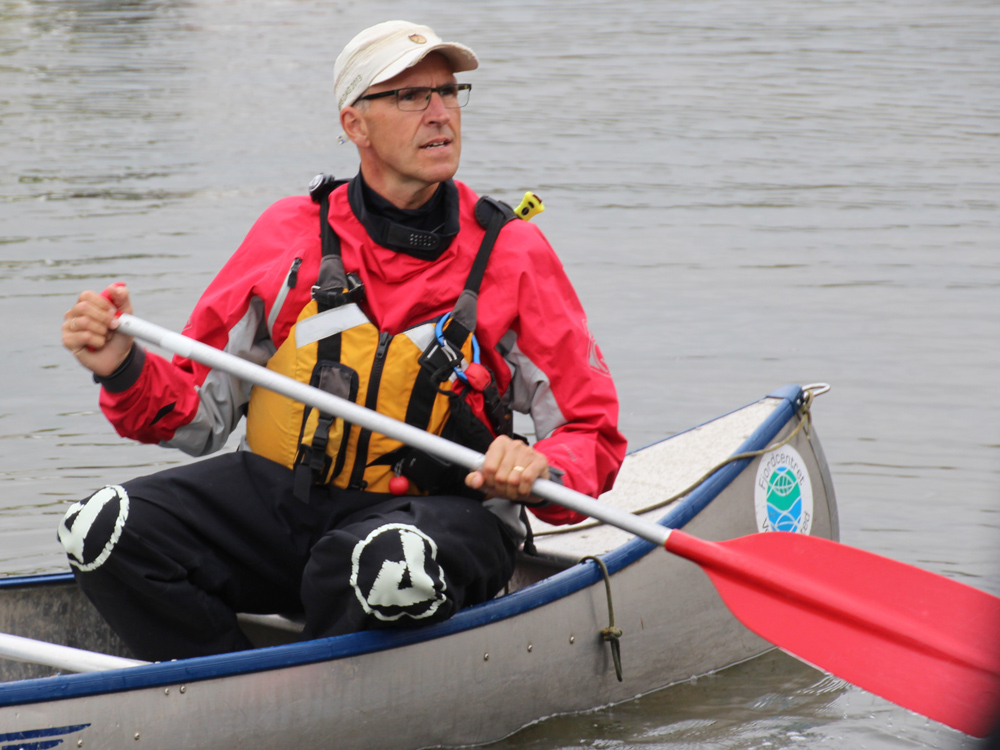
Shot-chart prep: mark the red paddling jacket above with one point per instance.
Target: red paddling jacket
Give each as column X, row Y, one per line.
column 530, row 329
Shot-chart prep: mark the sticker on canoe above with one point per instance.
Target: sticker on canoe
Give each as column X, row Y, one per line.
column 783, row 496
column 39, row 734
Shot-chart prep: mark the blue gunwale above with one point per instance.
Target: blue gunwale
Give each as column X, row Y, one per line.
column 561, row 584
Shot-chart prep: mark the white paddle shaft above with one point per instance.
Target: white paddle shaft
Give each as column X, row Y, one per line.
column 29, row 650
column 376, row 422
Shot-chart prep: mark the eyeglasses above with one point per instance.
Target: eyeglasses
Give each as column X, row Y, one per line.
column 418, row 98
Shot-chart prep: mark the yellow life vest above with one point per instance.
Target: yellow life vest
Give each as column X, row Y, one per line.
column 409, row 376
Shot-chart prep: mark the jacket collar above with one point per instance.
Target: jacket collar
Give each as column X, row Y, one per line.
column 425, row 232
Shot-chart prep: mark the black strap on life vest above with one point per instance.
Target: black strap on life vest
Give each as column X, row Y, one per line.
column 333, row 288
column 499, row 215
column 437, row 361
column 492, row 216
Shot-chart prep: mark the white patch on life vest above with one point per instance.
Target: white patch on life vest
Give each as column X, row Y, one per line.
column 413, row 586
column 327, row 323
column 422, row 336
column 83, row 515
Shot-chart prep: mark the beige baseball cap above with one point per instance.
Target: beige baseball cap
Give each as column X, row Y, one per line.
column 387, row 49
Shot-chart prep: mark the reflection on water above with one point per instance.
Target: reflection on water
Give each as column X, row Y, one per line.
column 771, row 703
column 745, row 195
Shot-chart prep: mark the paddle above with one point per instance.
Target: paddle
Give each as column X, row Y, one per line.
column 925, row 642
column 19, row 648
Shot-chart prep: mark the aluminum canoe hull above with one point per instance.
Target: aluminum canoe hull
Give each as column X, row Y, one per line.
column 533, row 653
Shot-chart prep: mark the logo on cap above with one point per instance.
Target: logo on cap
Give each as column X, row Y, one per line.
column 418, row 39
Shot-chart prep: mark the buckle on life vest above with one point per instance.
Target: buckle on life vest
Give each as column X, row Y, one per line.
column 444, row 356
column 355, row 292
column 440, row 358
column 311, row 466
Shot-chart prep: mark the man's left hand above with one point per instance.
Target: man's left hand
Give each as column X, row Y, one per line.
column 509, row 470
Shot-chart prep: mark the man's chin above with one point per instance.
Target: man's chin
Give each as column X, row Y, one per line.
column 440, row 161
column 439, row 173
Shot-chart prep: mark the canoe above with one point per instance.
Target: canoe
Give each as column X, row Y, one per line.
column 546, row 646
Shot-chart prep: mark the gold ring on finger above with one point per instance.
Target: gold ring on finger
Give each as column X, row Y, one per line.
column 72, row 324
column 518, row 468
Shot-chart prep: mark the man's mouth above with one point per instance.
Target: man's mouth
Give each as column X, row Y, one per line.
column 437, row 143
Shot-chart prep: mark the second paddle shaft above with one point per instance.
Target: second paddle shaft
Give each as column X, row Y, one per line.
column 372, row 420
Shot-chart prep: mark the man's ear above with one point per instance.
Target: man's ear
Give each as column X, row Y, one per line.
column 354, row 126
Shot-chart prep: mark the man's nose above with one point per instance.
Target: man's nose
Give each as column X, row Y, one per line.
column 436, row 108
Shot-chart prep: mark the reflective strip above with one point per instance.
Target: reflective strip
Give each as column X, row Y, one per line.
column 221, row 397
column 336, row 320
column 421, row 335
column 509, row 514
column 531, row 392
column 279, row 301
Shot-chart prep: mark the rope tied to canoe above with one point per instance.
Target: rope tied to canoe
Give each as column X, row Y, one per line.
column 804, row 414
column 610, row 635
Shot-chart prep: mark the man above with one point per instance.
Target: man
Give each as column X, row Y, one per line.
column 400, row 290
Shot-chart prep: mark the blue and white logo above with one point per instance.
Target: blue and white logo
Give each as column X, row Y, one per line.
column 783, row 496
column 40, row 739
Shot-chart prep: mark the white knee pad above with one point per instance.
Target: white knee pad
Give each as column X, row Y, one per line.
column 91, row 528
column 409, row 581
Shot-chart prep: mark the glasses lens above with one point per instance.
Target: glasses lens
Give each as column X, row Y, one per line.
column 418, row 98
column 461, row 94
column 413, row 99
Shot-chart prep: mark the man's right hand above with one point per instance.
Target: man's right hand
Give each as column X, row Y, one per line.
column 88, row 330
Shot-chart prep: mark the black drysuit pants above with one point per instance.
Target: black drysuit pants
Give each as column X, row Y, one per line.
column 169, row 559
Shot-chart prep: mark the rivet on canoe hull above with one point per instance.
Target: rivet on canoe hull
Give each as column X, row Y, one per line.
column 183, row 688
column 486, row 656
column 166, row 691
column 572, row 639
column 530, row 648
column 136, row 737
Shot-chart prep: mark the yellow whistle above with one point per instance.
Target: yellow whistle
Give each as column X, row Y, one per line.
column 530, row 207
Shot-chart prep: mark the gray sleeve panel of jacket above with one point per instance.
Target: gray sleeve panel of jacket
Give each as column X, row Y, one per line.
column 531, row 392
column 223, row 398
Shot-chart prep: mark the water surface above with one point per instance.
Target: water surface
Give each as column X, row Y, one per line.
column 744, row 194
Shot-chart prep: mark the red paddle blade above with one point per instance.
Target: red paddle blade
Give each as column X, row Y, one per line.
column 920, row 640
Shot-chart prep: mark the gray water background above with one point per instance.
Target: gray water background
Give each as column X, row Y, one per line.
column 745, row 194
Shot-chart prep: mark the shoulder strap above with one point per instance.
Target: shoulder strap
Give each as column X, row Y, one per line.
column 331, row 290
column 492, row 215
column 333, row 287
